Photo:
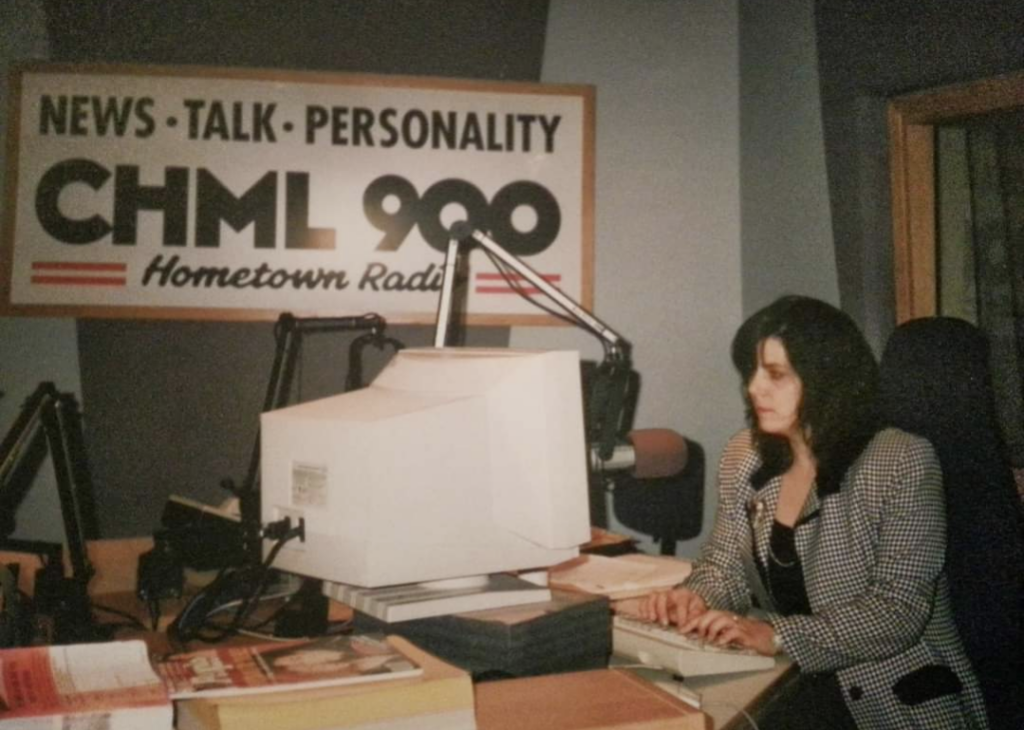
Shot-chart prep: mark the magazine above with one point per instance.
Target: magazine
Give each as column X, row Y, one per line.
column 285, row 665
column 110, row 685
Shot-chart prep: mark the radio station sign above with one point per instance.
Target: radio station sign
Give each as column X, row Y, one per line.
column 234, row 194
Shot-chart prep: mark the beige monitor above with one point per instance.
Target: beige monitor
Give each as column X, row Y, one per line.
column 454, row 462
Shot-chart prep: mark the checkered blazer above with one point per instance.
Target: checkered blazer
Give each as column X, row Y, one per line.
column 872, row 560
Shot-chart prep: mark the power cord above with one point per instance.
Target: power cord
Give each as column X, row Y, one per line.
column 676, row 685
column 738, row 709
column 160, row 574
column 130, row 620
column 689, row 696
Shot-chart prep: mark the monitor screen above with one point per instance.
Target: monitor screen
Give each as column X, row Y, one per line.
column 454, row 462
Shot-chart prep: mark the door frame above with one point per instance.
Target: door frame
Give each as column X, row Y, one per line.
column 912, row 121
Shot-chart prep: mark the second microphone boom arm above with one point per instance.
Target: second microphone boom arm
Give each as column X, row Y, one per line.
column 462, row 231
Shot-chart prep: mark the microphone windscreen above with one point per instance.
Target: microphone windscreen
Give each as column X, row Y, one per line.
column 660, row 452
column 461, row 230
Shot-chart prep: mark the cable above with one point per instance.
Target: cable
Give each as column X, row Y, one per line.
column 504, row 270
column 273, row 597
column 339, row 628
column 131, row 621
column 250, row 602
column 737, row 709
column 681, row 691
column 241, row 588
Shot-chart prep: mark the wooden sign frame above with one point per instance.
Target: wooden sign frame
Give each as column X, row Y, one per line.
column 236, row 194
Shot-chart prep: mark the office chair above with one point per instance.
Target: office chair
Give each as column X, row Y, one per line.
column 669, row 508
column 935, row 383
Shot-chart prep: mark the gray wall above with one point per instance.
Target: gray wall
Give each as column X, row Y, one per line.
column 787, row 224
column 711, row 189
column 668, row 265
column 31, row 350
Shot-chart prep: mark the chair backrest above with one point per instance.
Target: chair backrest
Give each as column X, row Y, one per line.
column 668, row 509
column 935, row 382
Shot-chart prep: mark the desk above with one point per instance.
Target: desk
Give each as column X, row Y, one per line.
column 114, row 561
column 724, row 697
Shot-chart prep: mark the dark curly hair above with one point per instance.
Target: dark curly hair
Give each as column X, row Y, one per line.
column 839, row 407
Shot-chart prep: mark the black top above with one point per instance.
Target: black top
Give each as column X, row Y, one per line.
column 820, row 696
column 784, row 576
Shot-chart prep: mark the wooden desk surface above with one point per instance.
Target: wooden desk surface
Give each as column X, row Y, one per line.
column 115, row 562
column 724, row 697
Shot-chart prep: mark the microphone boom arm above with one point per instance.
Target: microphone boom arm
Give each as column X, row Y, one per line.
column 617, row 346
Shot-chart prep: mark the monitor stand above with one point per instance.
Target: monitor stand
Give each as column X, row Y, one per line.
column 439, row 598
column 571, row 632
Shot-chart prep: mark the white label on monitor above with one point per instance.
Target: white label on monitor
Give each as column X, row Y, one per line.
column 309, row 485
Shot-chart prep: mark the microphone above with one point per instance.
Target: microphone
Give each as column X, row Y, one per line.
column 461, row 230
column 651, row 453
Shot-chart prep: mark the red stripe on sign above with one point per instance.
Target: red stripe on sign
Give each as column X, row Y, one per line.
column 516, row 277
column 80, row 280
column 506, row 290
column 77, row 266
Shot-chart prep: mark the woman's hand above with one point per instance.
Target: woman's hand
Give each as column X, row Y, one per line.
column 677, row 606
column 722, row 628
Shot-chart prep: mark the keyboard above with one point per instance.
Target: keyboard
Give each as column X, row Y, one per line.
column 665, row 648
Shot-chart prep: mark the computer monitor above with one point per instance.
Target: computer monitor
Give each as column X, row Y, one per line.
column 453, row 462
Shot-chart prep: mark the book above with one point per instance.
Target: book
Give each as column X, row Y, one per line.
column 439, row 598
column 285, row 665
column 623, row 576
column 109, row 685
column 441, row 698
column 598, row 699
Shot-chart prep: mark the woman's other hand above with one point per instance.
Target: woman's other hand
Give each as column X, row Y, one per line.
column 677, row 606
column 724, row 628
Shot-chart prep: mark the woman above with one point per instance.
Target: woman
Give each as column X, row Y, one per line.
column 836, row 528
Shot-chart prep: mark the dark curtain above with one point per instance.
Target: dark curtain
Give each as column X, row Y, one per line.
column 995, row 150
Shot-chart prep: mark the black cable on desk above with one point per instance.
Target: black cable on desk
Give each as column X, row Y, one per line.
column 246, row 584
column 131, row 621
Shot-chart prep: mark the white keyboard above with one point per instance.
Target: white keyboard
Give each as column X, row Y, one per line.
column 664, row 647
